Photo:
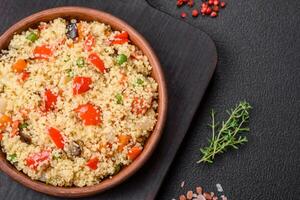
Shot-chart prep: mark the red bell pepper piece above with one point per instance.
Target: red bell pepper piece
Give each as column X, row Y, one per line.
column 19, row 66
column 81, row 84
column 42, row 52
column 89, row 114
column 89, row 42
column 97, row 62
column 15, row 128
column 138, row 106
column 134, row 152
column 92, row 163
column 34, row 160
column 50, row 100
column 56, row 137
column 120, row 38
column 25, row 76
column 123, row 35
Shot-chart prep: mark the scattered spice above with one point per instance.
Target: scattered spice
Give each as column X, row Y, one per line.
column 214, row 14
column 199, row 194
column 223, row 4
column 195, row 13
column 182, row 197
column 219, row 187
column 183, row 15
column 208, row 7
column 182, row 184
column 189, row 195
column 199, row 190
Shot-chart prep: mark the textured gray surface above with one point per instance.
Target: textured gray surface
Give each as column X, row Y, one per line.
column 187, row 69
column 258, row 45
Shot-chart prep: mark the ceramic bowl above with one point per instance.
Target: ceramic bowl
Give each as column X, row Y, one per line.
column 137, row 39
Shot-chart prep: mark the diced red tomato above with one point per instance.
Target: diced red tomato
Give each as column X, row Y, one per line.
column 19, row 66
column 81, row 84
column 4, row 122
column 56, row 137
column 134, row 152
column 97, row 62
column 89, row 114
column 50, row 100
column 92, row 163
column 120, row 38
column 15, row 128
column 42, row 52
column 138, row 106
column 89, row 42
column 34, row 160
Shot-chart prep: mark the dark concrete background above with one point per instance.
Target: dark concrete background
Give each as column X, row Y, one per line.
column 258, row 45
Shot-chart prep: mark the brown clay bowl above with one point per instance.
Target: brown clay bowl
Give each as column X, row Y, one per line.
column 117, row 24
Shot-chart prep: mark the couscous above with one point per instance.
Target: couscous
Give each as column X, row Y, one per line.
column 77, row 102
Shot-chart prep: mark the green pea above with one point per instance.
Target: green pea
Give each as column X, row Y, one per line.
column 32, row 37
column 23, row 126
column 119, row 98
column 12, row 158
column 80, row 62
column 121, row 59
column 139, row 81
column 118, row 168
column 70, row 73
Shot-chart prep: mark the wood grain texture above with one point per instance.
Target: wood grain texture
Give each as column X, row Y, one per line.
column 188, row 63
column 258, row 44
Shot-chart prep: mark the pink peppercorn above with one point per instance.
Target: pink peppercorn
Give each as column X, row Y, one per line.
column 214, row 14
column 195, row 13
column 191, row 3
column 204, row 5
column 183, row 15
column 215, row 8
column 179, row 3
column 208, row 11
column 223, row 4
column 216, row 2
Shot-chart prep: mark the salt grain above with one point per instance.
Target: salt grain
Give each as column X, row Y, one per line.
column 182, row 197
column 199, row 190
column 182, row 184
column 189, row 194
column 200, row 197
column 219, row 187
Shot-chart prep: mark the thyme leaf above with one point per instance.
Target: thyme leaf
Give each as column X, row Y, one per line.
column 226, row 135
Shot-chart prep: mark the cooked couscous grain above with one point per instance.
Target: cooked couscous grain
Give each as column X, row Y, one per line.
column 77, row 102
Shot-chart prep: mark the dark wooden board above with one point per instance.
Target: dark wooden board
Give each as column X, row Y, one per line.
column 188, row 57
column 258, row 44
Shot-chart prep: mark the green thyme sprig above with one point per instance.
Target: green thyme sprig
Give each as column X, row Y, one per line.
column 226, row 135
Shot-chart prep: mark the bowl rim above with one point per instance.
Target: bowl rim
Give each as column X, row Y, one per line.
column 138, row 40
